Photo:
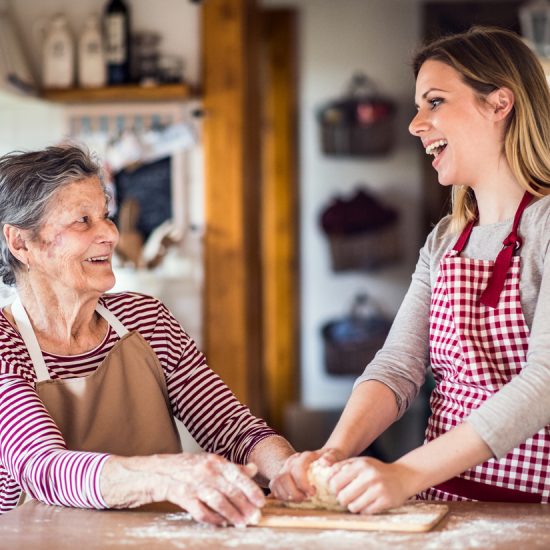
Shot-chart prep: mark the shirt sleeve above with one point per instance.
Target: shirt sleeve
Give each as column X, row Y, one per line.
column 521, row 408
column 200, row 399
column 34, row 454
column 401, row 363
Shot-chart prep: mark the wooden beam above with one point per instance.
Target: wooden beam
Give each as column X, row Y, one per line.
column 279, row 212
column 120, row 94
column 232, row 294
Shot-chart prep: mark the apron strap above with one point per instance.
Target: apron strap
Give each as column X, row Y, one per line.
column 110, row 317
column 464, row 237
column 27, row 333
column 491, row 295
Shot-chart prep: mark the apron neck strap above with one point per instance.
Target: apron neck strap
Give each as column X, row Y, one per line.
column 110, row 317
column 29, row 337
column 464, row 237
column 491, row 295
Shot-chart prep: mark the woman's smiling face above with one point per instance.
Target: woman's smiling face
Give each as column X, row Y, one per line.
column 75, row 244
column 453, row 124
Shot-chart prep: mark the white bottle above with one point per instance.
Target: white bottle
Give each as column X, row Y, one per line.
column 58, row 55
column 92, row 72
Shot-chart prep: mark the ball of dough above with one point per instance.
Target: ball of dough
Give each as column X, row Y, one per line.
column 318, row 475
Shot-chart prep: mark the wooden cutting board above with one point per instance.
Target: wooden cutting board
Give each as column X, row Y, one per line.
column 415, row 516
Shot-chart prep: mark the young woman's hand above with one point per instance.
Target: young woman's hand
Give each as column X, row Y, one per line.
column 367, row 486
column 291, row 482
column 207, row 486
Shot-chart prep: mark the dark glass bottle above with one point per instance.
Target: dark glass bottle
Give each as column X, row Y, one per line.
column 117, row 42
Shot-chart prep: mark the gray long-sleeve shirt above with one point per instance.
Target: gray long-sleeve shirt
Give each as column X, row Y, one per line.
column 522, row 407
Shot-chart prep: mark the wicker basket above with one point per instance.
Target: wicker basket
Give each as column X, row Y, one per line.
column 357, row 140
column 361, row 124
column 365, row 251
column 350, row 356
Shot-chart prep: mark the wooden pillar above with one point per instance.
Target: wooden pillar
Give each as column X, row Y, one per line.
column 232, row 297
column 279, row 212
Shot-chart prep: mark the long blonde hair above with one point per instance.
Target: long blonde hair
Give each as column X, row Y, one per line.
column 490, row 58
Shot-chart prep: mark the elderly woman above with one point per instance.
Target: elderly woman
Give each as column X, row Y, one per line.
column 90, row 382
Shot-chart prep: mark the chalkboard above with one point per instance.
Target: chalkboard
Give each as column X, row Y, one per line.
column 151, row 186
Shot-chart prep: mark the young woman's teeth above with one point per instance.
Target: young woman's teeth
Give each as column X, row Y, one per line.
column 436, row 147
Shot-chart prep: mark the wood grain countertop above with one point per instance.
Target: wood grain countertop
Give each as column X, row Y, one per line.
column 468, row 525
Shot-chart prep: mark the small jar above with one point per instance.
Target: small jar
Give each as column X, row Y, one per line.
column 145, row 66
column 171, row 69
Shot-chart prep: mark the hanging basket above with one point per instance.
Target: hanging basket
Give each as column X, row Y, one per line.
column 363, row 233
column 365, row 251
column 360, row 124
column 350, row 344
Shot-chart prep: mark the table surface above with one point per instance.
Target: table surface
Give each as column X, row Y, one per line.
column 468, row 525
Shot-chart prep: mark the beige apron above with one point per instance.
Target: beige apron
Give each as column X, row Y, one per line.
column 121, row 408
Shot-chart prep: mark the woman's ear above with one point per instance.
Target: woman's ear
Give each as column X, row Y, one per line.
column 501, row 102
column 16, row 240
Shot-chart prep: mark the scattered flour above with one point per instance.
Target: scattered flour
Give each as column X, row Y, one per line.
column 460, row 532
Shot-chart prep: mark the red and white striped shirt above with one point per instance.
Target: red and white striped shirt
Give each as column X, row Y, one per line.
column 33, row 454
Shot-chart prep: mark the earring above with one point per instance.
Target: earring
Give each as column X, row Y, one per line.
column 28, row 268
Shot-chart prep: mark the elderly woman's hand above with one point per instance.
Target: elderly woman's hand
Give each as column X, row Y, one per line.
column 207, row 486
column 291, row 482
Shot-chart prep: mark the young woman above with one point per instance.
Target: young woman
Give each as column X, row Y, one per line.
column 478, row 308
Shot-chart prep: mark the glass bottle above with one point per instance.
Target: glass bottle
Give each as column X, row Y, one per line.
column 117, row 42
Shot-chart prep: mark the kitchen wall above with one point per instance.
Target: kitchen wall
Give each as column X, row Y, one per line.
column 29, row 123
column 336, row 39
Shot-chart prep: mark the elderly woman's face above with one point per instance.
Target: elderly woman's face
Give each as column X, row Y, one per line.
column 75, row 244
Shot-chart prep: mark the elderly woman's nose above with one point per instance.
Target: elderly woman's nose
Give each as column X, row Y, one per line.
column 418, row 124
column 107, row 231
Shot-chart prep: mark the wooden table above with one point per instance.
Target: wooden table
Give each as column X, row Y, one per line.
column 468, row 525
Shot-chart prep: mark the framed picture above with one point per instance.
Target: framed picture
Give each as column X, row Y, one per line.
column 158, row 189
column 146, row 148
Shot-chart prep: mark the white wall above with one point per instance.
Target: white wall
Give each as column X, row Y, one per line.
column 28, row 123
column 337, row 38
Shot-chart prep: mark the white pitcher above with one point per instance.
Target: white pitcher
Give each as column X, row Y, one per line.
column 92, row 71
column 58, row 56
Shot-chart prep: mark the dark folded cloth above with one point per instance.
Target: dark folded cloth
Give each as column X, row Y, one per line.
column 359, row 214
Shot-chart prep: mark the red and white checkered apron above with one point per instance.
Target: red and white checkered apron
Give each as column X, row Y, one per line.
column 478, row 343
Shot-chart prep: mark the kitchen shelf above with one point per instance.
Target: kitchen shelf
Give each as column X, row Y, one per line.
column 115, row 94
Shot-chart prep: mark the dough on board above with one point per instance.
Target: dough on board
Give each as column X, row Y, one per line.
column 318, row 475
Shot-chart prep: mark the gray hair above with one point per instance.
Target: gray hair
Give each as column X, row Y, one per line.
column 28, row 180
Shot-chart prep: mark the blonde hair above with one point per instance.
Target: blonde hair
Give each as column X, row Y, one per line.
column 490, row 58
